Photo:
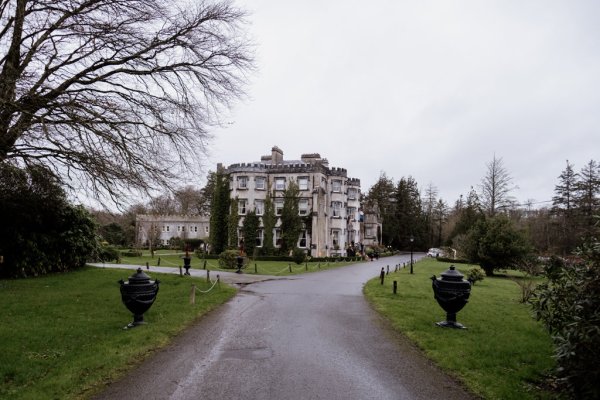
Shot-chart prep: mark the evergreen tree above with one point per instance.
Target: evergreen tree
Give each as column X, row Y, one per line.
column 409, row 215
column 381, row 195
column 250, row 228
column 588, row 198
column 563, row 206
column 269, row 220
column 291, row 222
column 430, row 202
column 219, row 213
column 233, row 222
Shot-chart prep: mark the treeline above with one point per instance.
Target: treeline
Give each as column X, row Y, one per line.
column 558, row 229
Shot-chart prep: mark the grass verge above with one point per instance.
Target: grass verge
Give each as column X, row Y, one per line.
column 274, row 268
column 503, row 354
column 62, row 335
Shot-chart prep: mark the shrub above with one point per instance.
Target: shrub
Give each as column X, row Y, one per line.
column 298, row 256
column 475, row 274
column 569, row 305
column 228, row 259
column 109, row 253
column 40, row 231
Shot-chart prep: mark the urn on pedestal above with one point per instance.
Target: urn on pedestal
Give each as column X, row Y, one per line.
column 138, row 294
column 452, row 293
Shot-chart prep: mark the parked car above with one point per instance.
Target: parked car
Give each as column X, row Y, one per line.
column 435, row 252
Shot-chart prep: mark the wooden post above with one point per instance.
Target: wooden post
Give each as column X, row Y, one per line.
column 204, row 263
column 319, row 266
column 193, row 294
column 382, row 275
column 255, row 268
column 147, row 265
column 218, row 281
column 395, row 286
column 306, row 266
column 207, row 275
column 388, row 270
column 180, row 271
column 290, row 267
column 158, row 263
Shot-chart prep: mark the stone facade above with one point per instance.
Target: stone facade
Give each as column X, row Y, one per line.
column 327, row 194
column 330, row 199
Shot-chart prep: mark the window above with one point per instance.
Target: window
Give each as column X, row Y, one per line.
column 352, row 194
column 168, row 228
column 259, row 238
column 278, row 206
column 259, row 207
column 242, row 206
column 335, row 238
column 303, row 206
column 242, row 182
column 206, row 230
column 336, row 185
column 163, row 228
column 336, row 209
column 260, row 183
column 278, row 237
column 369, row 231
column 279, row 183
column 351, row 212
column 302, row 241
column 303, row 183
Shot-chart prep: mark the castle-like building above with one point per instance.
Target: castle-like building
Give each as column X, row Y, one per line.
column 328, row 198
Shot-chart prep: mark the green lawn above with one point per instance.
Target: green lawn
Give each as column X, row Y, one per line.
column 62, row 335
column 501, row 355
column 169, row 258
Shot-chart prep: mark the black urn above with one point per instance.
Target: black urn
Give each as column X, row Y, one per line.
column 138, row 294
column 452, row 293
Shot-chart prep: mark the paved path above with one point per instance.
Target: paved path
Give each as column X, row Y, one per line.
column 309, row 336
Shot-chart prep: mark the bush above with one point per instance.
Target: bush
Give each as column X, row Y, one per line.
column 569, row 305
column 40, row 231
column 109, row 253
column 298, row 256
column 228, row 259
column 475, row 274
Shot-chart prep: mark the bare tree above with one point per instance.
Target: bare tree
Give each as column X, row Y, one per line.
column 496, row 187
column 116, row 95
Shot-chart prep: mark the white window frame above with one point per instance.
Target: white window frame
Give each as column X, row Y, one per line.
column 260, row 237
column 336, row 209
column 259, row 207
column 303, row 237
column 242, row 182
column 242, row 206
column 352, row 192
column 303, row 183
column 260, row 183
column 335, row 238
column 303, row 210
column 280, row 183
column 336, row 185
column 277, row 237
column 278, row 204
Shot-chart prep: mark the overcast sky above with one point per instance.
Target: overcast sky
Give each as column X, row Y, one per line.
column 428, row 89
